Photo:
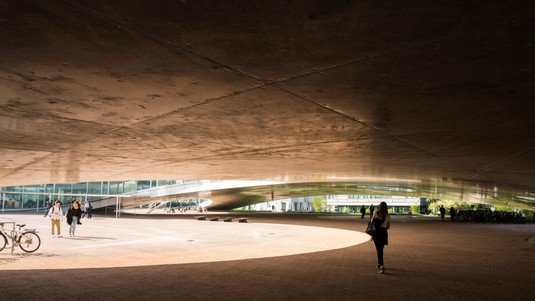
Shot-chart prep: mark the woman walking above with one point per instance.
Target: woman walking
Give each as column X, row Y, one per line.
column 73, row 217
column 381, row 220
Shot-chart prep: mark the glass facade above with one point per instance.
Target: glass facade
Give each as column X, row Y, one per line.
column 81, row 190
column 34, row 197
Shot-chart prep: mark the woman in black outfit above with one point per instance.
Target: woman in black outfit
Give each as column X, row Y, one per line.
column 73, row 217
column 381, row 221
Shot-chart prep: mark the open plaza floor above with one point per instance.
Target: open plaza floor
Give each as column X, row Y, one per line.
column 272, row 257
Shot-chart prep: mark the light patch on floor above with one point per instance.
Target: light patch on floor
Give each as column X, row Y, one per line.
column 109, row 242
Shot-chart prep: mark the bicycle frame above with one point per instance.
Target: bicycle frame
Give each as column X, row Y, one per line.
column 9, row 234
column 15, row 234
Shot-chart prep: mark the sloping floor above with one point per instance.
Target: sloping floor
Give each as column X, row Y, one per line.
column 271, row 258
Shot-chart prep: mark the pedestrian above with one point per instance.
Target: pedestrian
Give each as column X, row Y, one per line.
column 381, row 220
column 74, row 214
column 452, row 213
column 56, row 215
column 48, row 205
column 362, row 211
column 372, row 209
column 442, row 212
column 87, row 210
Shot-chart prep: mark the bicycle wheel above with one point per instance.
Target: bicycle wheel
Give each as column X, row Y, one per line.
column 3, row 241
column 29, row 242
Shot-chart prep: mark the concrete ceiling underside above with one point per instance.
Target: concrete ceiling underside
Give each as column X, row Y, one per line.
column 434, row 96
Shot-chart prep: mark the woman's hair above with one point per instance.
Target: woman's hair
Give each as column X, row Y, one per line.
column 382, row 211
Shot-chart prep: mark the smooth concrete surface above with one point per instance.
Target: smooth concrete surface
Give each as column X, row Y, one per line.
column 426, row 259
column 435, row 97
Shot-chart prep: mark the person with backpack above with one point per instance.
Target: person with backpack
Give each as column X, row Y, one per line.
column 87, row 210
column 48, row 205
column 56, row 216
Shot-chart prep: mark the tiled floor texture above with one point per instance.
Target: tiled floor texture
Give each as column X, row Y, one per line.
column 273, row 257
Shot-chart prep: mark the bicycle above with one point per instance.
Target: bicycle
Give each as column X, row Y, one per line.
column 26, row 239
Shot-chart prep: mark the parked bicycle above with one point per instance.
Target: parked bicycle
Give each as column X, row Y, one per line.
column 26, row 239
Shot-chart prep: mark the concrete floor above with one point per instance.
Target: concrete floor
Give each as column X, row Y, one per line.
column 274, row 257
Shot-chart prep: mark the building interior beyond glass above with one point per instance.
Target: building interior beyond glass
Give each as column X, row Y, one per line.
column 35, row 196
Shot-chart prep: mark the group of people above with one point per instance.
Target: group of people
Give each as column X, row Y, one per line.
column 482, row 216
column 73, row 216
column 380, row 219
column 363, row 211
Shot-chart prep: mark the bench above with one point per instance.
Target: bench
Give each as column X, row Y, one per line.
column 228, row 219
column 214, row 218
column 243, row 219
column 201, row 218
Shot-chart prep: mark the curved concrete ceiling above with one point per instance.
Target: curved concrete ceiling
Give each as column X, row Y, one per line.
column 437, row 96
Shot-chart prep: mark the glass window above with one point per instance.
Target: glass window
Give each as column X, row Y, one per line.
column 116, row 187
column 163, row 182
column 142, row 185
column 49, row 188
column 29, row 201
column 94, row 188
column 129, row 186
column 79, row 188
column 63, row 188
column 105, row 187
column 34, row 188
column 13, row 201
column 40, row 199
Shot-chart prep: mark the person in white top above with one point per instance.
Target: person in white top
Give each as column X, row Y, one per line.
column 381, row 219
column 56, row 216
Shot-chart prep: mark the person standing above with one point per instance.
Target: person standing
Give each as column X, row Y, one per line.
column 74, row 214
column 372, row 209
column 362, row 211
column 381, row 220
column 452, row 214
column 87, row 209
column 56, row 216
column 442, row 212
